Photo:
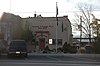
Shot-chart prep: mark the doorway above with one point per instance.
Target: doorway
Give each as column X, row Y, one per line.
column 42, row 44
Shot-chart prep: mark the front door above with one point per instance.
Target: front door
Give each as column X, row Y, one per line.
column 42, row 44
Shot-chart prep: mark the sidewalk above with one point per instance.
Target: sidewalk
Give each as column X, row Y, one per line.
column 65, row 54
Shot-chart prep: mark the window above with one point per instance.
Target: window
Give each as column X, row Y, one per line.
column 54, row 41
column 59, row 41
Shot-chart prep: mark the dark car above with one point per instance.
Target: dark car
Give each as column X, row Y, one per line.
column 17, row 48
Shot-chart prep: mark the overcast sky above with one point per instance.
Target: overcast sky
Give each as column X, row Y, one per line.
column 47, row 8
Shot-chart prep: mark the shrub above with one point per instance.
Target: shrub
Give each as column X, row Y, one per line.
column 59, row 49
column 96, row 46
column 46, row 50
column 67, row 48
column 82, row 50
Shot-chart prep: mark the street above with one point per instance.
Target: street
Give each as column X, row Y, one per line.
column 52, row 60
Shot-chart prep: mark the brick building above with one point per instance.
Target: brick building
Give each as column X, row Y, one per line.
column 44, row 29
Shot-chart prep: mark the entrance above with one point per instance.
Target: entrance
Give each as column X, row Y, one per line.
column 42, row 43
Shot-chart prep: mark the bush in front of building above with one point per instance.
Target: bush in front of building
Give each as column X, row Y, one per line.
column 96, row 46
column 72, row 49
column 46, row 50
column 82, row 50
column 59, row 49
column 67, row 48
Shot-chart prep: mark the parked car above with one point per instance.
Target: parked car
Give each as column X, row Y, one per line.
column 17, row 48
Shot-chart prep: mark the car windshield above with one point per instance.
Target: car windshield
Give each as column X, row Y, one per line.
column 17, row 44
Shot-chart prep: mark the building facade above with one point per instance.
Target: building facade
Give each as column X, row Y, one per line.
column 8, row 24
column 47, row 30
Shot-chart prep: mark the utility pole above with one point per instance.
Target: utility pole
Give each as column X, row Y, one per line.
column 89, row 30
column 89, row 34
column 80, row 30
column 56, row 27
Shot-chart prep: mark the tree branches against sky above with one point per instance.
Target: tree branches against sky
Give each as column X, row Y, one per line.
column 95, row 3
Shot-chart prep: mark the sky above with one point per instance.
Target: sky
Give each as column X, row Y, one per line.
column 47, row 8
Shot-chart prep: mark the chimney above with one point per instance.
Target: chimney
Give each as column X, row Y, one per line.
column 35, row 14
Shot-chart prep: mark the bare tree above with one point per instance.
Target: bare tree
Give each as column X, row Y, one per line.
column 83, row 20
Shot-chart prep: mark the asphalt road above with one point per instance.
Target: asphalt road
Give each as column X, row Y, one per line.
column 52, row 60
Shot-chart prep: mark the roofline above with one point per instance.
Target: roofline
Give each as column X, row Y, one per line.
column 46, row 17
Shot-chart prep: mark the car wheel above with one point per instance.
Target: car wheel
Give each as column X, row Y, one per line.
column 8, row 55
column 26, row 55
